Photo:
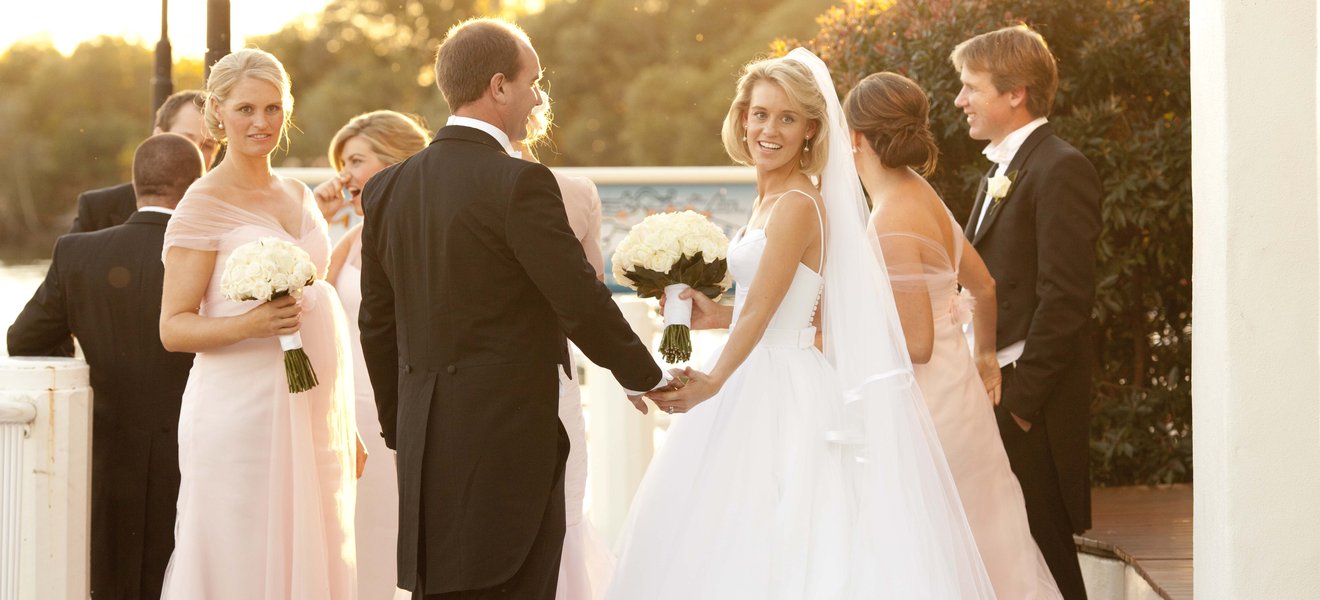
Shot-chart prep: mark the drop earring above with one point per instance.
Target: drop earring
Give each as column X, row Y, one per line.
column 806, row 145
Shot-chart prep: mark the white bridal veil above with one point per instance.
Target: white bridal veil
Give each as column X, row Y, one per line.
column 912, row 538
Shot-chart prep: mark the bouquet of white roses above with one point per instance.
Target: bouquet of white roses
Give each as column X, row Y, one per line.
column 266, row 269
column 665, row 254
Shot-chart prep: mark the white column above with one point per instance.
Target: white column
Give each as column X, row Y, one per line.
column 620, row 439
column 1256, row 282
column 45, row 443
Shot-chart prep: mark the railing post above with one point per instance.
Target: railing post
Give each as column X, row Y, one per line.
column 620, row 440
column 45, row 477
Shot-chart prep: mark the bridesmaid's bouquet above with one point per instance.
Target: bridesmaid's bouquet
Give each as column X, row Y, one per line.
column 267, row 269
column 665, row 254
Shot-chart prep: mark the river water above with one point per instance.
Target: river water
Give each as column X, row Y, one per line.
column 17, row 282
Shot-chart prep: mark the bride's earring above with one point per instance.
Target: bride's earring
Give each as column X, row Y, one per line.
column 222, row 125
column 806, row 145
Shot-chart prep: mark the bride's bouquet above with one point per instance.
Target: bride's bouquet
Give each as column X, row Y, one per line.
column 665, row 254
column 271, row 268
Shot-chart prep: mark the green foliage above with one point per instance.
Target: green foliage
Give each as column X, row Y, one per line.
column 1124, row 101
column 70, row 124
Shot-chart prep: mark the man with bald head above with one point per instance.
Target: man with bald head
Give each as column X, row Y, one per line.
column 104, row 289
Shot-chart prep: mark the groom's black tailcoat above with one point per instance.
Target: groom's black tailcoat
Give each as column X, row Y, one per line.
column 1039, row 244
column 471, row 277
column 105, row 288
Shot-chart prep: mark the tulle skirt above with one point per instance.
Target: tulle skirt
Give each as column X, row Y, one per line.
column 747, row 498
column 781, row 487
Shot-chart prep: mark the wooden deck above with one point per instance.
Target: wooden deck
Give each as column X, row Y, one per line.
column 1150, row 528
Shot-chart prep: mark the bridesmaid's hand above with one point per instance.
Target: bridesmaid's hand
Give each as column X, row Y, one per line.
column 706, row 313
column 988, row 366
column 330, row 195
column 276, row 317
column 697, row 387
column 361, row 456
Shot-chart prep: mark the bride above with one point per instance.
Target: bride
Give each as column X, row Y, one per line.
column 797, row 473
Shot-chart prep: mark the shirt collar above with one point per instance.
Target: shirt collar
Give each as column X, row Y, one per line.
column 493, row 131
column 157, row 209
column 1002, row 153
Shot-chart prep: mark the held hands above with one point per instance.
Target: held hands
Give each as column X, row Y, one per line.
column 987, row 364
column 639, row 401
column 330, row 195
column 690, row 388
column 280, row 316
column 706, row 313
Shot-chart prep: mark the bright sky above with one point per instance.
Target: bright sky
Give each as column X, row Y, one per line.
column 67, row 22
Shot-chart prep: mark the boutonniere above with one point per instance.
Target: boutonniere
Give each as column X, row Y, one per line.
column 998, row 187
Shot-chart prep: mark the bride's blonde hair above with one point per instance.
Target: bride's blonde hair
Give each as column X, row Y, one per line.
column 797, row 82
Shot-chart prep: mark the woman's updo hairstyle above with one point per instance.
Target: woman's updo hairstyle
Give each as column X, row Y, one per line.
column 892, row 113
column 235, row 67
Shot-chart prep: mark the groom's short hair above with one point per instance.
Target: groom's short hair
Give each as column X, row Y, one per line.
column 1013, row 56
column 473, row 52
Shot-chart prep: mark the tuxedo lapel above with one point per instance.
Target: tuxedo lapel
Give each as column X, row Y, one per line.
column 1015, row 172
column 970, row 229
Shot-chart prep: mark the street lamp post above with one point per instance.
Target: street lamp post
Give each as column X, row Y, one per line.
column 217, row 32
column 162, row 85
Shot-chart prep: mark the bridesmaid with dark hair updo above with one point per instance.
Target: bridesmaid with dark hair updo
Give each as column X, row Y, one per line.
column 928, row 259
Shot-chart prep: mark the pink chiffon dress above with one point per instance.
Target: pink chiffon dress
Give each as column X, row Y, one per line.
column 266, row 500
column 586, row 564
column 376, row 519
column 964, row 416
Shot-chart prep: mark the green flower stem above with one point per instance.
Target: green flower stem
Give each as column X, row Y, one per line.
column 298, row 368
column 676, row 345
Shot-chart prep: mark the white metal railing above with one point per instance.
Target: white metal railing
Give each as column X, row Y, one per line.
column 45, row 478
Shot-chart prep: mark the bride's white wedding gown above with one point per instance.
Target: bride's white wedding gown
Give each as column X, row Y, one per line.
column 747, row 499
column 750, row 498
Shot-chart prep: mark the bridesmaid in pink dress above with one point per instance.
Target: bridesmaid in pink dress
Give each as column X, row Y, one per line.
column 587, row 562
column 928, row 258
column 266, row 497
column 363, row 147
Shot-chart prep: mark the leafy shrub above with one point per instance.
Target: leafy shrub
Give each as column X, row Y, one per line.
column 1124, row 101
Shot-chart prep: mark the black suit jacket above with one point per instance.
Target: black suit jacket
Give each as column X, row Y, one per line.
column 1039, row 244
column 105, row 207
column 105, row 288
column 471, row 277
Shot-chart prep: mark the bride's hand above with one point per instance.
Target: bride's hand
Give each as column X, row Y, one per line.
column 276, row 317
column 706, row 313
column 988, row 366
column 698, row 387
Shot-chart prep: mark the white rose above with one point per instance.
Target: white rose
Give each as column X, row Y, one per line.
column 997, row 187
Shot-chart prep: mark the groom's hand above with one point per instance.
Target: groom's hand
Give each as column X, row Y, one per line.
column 638, row 402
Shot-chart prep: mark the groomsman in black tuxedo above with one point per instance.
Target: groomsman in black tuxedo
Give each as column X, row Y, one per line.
column 104, row 288
column 1035, row 223
column 181, row 113
column 471, row 281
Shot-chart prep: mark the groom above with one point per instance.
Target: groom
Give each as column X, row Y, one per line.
column 1035, row 223
column 471, row 278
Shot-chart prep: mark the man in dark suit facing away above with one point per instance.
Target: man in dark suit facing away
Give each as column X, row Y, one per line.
column 181, row 113
column 104, row 288
column 471, row 281
column 1035, row 223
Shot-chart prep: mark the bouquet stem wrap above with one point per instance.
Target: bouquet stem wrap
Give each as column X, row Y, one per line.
column 676, row 344
column 297, row 367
